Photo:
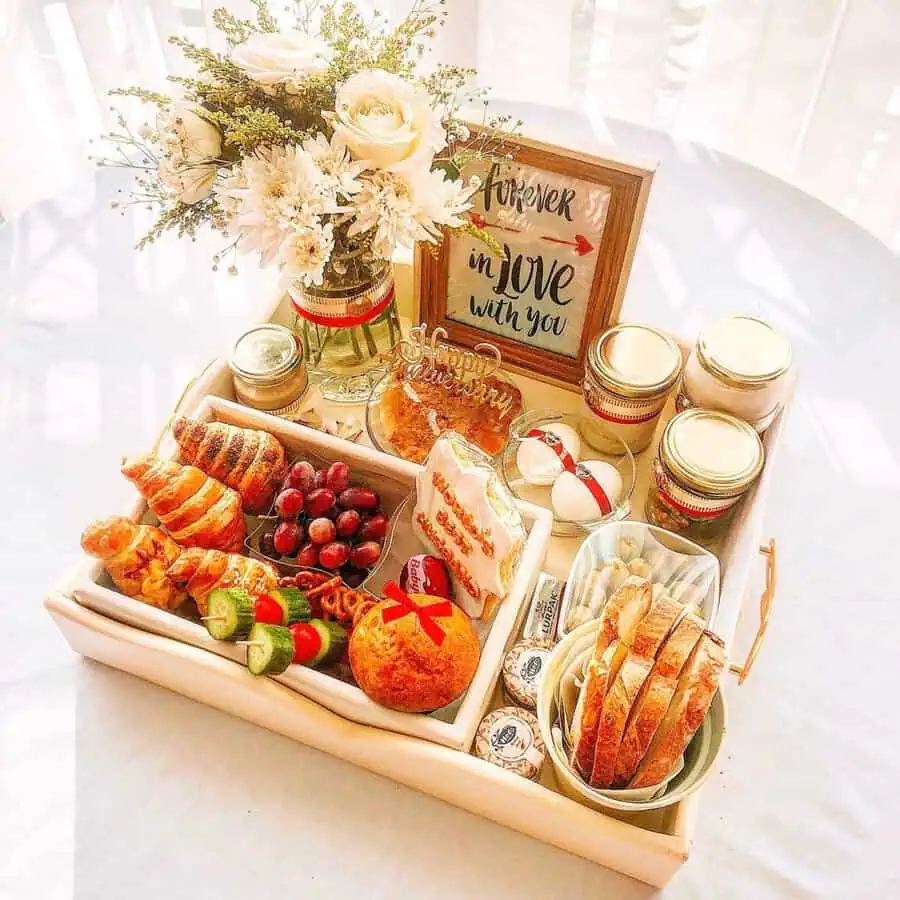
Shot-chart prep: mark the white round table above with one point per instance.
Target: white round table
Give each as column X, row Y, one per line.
column 112, row 787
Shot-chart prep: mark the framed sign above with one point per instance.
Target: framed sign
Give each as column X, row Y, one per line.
column 568, row 224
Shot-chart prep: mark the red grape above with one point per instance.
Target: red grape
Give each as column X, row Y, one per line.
column 302, row 476
column 321, row 531
column 320, row 478
column 288, row 536
column 365, row 555
column 267, row 545
column 289, row 503
column 348, row 523
column 374, row 528
column 359, row 498
column 334, row 555
column 319, row 501
column 338, row 477
column 308, row 556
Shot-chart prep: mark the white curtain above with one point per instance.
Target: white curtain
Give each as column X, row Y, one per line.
column 806, row 89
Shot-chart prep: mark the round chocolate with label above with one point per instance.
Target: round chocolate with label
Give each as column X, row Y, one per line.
column 511, row 738
column 523, row 669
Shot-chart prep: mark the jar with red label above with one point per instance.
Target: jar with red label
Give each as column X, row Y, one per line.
column 630, row 371
column 706, row 462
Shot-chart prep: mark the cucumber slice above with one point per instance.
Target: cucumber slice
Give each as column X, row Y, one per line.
column 294, row 604
column 271, row 649
column 334, row 640
column 229, row 614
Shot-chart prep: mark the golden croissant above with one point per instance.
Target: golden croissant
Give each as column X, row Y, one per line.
column 252, row 462
column 196, row 510
column 136, row 557
column 203, row 571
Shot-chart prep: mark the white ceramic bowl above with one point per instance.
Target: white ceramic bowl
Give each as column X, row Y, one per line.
column 699, row 757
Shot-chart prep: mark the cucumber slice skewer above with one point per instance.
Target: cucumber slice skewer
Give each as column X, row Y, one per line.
column 270, row 649
column 294, row 604
column 229, row 614
column 334, row 640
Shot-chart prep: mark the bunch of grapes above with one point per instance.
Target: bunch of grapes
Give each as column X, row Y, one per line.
column 327, row 523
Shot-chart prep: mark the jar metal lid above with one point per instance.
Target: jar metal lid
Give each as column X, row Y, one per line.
column 712, row 452
column 635, row 360
column 265, row 354
column 743, row 351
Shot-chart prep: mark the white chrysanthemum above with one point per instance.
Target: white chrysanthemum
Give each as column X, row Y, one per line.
column 385, row 206
column 271, row 194
column 304, row 254
column 440, row 200
column 340, row 173
column 401, row 210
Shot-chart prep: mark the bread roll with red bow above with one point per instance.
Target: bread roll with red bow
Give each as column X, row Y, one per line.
column 413, row 652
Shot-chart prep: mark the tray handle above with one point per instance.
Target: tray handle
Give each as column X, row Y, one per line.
column 765, row 610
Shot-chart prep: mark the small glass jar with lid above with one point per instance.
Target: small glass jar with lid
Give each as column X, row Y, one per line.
column 739, row 365
column 705, row 463
column 269, row 369
column 630, row 371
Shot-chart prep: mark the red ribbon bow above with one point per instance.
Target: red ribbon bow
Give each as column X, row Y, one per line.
column 427, row 614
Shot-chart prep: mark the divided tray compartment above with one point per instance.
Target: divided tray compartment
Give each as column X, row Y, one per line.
column 454, row 725
column 650, row 846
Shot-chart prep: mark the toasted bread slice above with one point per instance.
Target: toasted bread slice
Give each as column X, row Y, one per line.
column 697, row 685
column 634, row 665
column 618, row 620
column 650, row 707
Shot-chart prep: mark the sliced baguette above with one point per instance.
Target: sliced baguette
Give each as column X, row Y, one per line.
column 653, row 700
column 633, row 666
column 697, row 685
column 619, row 618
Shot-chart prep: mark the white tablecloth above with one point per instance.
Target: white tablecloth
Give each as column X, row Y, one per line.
column 111, row 788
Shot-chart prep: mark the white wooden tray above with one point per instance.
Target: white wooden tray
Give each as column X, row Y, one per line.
column 454, row 726
column 649, row 846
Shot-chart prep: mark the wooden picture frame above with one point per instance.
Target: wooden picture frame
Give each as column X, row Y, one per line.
column 622, row 186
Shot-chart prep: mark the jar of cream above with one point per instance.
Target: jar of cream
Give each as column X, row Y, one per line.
column 269, row 369
column 629, row 373
column 705, row 463
column 739, row 365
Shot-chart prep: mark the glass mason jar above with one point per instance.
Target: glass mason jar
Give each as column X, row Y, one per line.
column 705, row 463
column 739, row 365
column 629, row 373
column 269, row 370
column 347, row 324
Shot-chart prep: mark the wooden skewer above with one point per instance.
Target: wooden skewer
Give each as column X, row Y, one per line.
column 213, row 618
column 251, row 643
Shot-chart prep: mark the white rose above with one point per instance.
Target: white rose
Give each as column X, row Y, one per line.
column 186, row 136
column 282, row 57
column 387, row 122
column 190, row 147
column 188, row 183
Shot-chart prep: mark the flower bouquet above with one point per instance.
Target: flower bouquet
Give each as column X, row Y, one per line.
column 320, row 149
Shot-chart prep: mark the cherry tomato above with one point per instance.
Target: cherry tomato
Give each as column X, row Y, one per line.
column 307, row 642
column 266, row 610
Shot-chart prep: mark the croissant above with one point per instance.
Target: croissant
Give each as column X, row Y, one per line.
column 196, row 510
column 202, row 571
column 136, row 558
column 252, row 462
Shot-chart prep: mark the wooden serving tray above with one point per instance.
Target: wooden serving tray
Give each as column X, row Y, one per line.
column 649, row 846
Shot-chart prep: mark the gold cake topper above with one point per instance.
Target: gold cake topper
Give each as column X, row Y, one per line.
column 463, row 372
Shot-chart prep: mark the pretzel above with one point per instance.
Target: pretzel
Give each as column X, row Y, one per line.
column 347, row 605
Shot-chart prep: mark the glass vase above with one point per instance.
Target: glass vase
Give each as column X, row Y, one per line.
column 347, row 324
